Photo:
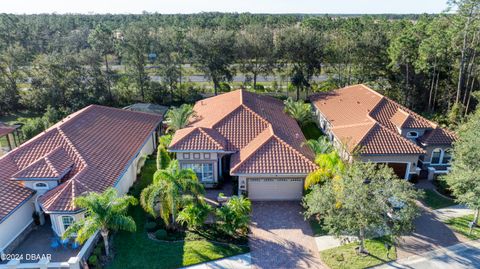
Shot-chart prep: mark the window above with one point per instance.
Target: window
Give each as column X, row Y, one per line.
column 204, row 171
column 436, row 154
column 186, row 155
column 206, row 156
column 412, row 134
column 67, row 221
column 41, row 185
column 447, row 156
column 196, row 155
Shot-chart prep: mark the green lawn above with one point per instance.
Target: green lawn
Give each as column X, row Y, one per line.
column 460, row 225
column 311, row 131
column 346, row 256
column 136, row 250
column 435, row 201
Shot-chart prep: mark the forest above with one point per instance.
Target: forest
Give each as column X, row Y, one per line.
column 56, row 64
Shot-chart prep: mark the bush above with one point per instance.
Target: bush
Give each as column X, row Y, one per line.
column 161, row 234
column 194, row 215
column 233, row 217
column 93, row 260
column 97, row 250
column 150, row 226
column 32, row 127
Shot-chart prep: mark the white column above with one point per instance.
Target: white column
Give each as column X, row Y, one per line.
column 12, row 264
column 74, row 263
column 43, row 263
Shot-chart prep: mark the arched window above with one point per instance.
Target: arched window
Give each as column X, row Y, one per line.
column 67, row 221
column 436, row 155
column 412, row 134
column 447, row 156
column 41, row 185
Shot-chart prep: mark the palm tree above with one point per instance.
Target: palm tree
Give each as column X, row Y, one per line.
column 330, row 166
column 299, row 110
column 179, row 117
column 172, row 188
column 104, row 212
column 319, row 146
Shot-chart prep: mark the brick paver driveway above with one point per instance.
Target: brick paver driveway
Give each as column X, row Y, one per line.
column 430, row 234
column 280, row 238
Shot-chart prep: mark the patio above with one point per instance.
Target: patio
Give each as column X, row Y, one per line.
column 38, row 244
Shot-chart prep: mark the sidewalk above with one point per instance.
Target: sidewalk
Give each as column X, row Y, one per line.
column 463, row 255
column 243, row 261
column 455, row 211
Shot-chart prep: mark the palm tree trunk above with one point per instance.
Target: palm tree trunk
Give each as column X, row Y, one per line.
column 104, row 234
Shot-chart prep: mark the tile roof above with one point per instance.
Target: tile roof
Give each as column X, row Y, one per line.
column 367, row 121
column 438, row 136
column 262, row 136
column 98, row 141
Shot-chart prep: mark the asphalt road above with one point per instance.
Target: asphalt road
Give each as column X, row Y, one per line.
column 460, row 256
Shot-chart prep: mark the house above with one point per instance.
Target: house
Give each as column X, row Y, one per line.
column 9, row 137
column 368, row 126
column 247, row 136
column 90, row 150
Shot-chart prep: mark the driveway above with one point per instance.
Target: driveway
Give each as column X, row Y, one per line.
column 430, row 234
column 281, row 238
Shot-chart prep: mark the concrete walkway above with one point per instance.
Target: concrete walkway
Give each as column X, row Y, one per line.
column 243, row 261
column 463, row 255
column 325, row 242
column 455, row 211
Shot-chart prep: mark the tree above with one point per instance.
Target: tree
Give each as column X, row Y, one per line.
column 299, row 110
column 11, row 72
column 213, row 53
column 463, row 177
column 234, row 216
column 104, row 212
column 330, row 167
column 135, row 47
column 172, row 189
column 301, row 48
column 101, row 40
column 320, row 145
column 256, row 53
column 367, row 199
column 179, row 117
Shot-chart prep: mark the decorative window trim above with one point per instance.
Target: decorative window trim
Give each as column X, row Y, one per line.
column 206, row 155
column 196, row 156
column 186, row 156
column 409, row 134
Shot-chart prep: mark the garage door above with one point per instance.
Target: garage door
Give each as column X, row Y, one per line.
column 275, row 189
column 400, row 169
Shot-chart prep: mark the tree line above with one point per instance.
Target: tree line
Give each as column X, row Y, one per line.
column 426, row 62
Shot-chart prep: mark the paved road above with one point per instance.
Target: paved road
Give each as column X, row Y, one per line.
column 281, row 238
column 460, row 256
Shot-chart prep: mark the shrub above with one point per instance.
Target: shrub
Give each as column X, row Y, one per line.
column 233, row 217
column 161, row 234
column 194, row 215
column 93, row 260
column 97, row 250
column 150, row 226
column 32, row 127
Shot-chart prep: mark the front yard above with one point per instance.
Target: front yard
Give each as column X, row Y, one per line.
column 137, row 250
column 346, row 256
column 461, row 226
column 435, row 201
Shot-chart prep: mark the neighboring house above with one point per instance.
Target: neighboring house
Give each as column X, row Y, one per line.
column 249, row 136
column 9, row 137
column 368, row 126
column 90, row 150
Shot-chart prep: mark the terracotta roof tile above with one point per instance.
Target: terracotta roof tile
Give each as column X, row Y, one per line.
column 246, row 120
column 438, row 136
column 99, row 142
column 198, row 138
column 363, row 118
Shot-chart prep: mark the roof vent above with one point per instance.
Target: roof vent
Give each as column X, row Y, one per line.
column 358, row 102
column 297, row 136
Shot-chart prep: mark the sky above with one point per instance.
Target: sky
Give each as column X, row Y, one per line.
column 195, row 6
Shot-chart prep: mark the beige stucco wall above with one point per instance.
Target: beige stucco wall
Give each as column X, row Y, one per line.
column 31, row 184
column 14, row 225
column 429, row 150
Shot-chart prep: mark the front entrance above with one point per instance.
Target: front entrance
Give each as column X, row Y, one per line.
column 275, row 189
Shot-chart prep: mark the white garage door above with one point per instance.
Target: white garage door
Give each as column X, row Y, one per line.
column 275, row 189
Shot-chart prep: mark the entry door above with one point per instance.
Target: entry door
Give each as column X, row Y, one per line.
column 275, row 189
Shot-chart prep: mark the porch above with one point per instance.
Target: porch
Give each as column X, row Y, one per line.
column 43, row 243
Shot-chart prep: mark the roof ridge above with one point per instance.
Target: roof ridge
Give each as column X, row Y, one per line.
column 354, row 125
column 201, row 129
column 270, row 130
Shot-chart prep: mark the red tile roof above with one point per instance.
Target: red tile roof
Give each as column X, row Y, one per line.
column 365, row 120
column 262, row 136
column 99, row 141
